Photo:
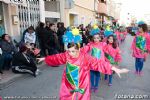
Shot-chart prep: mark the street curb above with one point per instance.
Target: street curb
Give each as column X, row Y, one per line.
column 7, row 83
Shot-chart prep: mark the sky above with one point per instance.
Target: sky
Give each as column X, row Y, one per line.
column 136, row 8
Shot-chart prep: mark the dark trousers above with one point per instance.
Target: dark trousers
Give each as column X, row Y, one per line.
column 139, row 62
column 6, row 60
column 1, row 63
column 110, row 78
column 43, row 49
column 42, row 46
column 61, row 44
column 95, row 78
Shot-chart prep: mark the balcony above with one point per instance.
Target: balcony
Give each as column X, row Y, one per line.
column 102, row 8
column 52, row 6
column 50, row 14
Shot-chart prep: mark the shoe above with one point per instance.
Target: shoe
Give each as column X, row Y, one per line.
column 1, row 72
column 105, row 79
column 0, row 76
column 92, row 89
column 37, row 72
column 110, row 84
column 136, row 72
column 34, row 74
column 140, row 73
column 96, row 90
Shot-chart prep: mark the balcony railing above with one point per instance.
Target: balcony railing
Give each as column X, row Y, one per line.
column 50, row 14
column 53, row 6
column 102, row 8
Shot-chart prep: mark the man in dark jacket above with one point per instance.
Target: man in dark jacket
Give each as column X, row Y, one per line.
column 60, row 32
column 42, row 35
column 52, row 40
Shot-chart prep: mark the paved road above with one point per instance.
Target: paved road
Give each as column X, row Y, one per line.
column 48, row 82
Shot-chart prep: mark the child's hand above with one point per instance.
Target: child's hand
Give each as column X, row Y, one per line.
column 40, row 59
column 120, row 71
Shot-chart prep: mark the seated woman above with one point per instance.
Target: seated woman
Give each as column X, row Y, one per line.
column 22, row 63
column 30, row 36
column 8, row 50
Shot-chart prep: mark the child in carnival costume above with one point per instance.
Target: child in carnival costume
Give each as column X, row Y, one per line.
column 108, row 31
column 76, row 75
column 95, row 48
column 140, row 47
column 112, row 55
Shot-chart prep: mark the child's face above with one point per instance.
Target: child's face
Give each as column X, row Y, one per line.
column 7, row 38
column 52, row 27
column 32, row 45
column 96, row 38
column 30, row 31
column 110, row 40
column 140, row 29
column 73, row 52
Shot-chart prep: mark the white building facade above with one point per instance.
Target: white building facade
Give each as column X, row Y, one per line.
column 17, row 15
column 80, row 12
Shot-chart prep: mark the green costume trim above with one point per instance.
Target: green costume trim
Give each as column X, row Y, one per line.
column 72, row 75
column 111, row 59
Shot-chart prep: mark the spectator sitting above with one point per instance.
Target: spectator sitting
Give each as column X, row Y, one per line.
column 8, row 50
column 30, row 35
column 22, row 63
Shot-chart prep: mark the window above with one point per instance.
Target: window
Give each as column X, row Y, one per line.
column 28, row 15
column 103, row 1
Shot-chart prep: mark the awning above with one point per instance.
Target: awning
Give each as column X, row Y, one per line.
column 16, row 2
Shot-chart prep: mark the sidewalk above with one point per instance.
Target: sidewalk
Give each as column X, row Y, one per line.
column 9, row 77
